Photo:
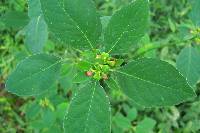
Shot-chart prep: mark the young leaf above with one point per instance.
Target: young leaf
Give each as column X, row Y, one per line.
column 145, row 126
column 127, row 26
column 34, row 75
column 74, row 22
column 68, row 72
column 188, row 63
column 15, row 19
column 89, row 111
column 132, row 114
column 36, row 35
column 32, row 110
column 60, row 110
column 36, row 31
column 122, row 121
column 151, row 82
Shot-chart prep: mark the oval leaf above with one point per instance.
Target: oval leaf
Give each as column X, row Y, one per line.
column 36, row 35
column 151, row 82
column 73, row 22
column 34, row 75
column 188, row 63
column 36, row 31
column 127, row 26
column 89, row 111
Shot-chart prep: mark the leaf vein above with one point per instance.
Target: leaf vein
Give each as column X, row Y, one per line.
column 147, row 81
column 62, row 5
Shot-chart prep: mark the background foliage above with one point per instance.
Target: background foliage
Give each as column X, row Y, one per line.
column 172, row 34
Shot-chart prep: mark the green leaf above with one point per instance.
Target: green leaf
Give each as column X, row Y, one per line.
column 53, row 129
column 48, row 117
column 84, row 65
column 89, row 111
column 198, row 48
column 32, row 110
column 132, row 114
column 68, row 72
column 112, row 84
column 172, row 25
column 36, row 35
column 195, row 13
column 73, row 22
column 37, row 124
column 127, row 26
column 145, row 126
column 151, row 82
column 15, row 19
column 60, row 110
column 34, row 8
column 80, row 77
column 122, row 121
column 104, row 22
column 36, row 31
column 184, row 31
column 34, row 75
column 188, row 62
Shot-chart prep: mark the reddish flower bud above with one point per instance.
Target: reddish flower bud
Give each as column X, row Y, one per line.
column 88, row 73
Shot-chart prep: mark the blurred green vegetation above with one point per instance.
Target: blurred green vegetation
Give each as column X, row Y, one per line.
column 170, row 31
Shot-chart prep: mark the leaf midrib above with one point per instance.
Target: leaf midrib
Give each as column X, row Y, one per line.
column 90, row 106
column 42, row 70
column 121, row 35
column 62, row 6
column 36, row 32
column 148, row 81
